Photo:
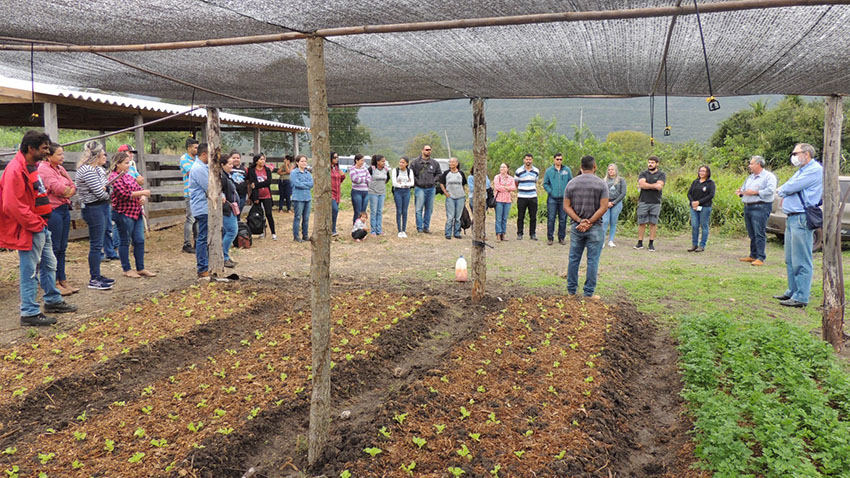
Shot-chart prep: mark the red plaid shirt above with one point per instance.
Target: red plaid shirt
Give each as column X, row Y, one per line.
column 122, row 200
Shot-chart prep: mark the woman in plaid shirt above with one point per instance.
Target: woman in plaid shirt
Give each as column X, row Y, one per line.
column 127, row 201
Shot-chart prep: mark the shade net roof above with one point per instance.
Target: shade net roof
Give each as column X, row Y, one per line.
column 791, row 50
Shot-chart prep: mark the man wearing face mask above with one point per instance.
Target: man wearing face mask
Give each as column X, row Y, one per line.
column 805, row 188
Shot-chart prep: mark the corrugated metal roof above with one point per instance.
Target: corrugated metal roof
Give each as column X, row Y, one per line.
column 141, row 104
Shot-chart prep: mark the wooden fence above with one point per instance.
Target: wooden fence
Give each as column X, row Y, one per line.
column 162, row 176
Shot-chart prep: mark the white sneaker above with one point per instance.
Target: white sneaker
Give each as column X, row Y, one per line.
column 262, row 235
column 400, row 234
column 403, row 234
column 274, row 237
column 611, row 244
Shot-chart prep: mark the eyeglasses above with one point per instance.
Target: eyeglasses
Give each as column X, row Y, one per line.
column 559, row 159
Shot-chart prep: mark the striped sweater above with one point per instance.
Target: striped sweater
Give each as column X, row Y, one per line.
column 360, row 178
column 526, row 182
column 90, row 181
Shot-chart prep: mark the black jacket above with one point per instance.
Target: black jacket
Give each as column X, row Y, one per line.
column 252, row 178
column 702, row 192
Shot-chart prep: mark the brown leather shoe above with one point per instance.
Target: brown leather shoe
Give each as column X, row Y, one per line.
column 132, row 274
column 63, row 290
column 68, row 286
column 203, row 275
column 146, row 273
column 757, row 263
column 692, row 249
column 747, row 259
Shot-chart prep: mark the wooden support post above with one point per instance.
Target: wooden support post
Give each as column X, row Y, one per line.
column 214, row 200
column 479, row 198
column 257, row 147
column 321, row 260
column 51, row 121
column 295, row 143
column 833, row 280
column 141, row 166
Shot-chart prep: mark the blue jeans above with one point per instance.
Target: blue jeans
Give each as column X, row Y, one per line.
column 376, row 212
column 358, row 200
column 95, row 217
column 402, row 204
column 699, row 222
column 555, row 208
column 59, row 226
column 38, row 266
column 110, row 235
column 592, row 240
column 798, row 257
column 502, row 210
column 334, row 214
column 229, row 228
column 610, row 218
column 285, row 194
column 755, row 217
column 454, row 208
column 302, row 218
column 202, row 248
column 424, row 204
column 130, row 230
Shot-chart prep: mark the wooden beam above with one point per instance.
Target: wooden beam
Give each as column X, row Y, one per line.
column 479, row 198
column 598, row 15
column 214, row 202
column 833, row 279
column 141, row 166
column 295, row 143
column 257, row 146
column 320, row 402
column 51, row 121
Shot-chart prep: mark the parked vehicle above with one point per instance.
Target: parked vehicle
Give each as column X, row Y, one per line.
column 346, row 162
column 776, row 221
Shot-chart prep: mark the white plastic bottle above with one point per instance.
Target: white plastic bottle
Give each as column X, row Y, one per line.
column 460, row 269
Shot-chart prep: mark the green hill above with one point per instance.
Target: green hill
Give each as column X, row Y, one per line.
column 393, row 126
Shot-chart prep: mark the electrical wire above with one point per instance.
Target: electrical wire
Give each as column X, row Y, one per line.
column 713, row 104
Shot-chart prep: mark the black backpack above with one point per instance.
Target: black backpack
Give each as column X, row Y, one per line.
column 465, row 220
column 491, row 199
column 243, row 238
column 256, row 219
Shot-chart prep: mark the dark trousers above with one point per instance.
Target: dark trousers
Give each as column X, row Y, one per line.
column 359, row 234
column 268, row 208
column 555, row 210
column 285, row 194
column 529, row 204
column 755, row 217
column 59, row 225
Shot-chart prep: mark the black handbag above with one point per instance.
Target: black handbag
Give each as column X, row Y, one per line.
column 814, row 214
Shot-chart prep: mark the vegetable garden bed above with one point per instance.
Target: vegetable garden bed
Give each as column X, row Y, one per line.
column 208, row 381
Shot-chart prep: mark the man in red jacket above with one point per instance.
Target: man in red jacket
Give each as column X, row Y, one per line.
column 24, row 209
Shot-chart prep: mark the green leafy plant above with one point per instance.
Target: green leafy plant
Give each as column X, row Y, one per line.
column 419, row 442
column 372, row 451
column 137, row 457
column 455, row 471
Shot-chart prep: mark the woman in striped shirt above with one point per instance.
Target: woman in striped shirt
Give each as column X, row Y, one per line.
column 127, row 201
column 94, row 200
column 360, row 179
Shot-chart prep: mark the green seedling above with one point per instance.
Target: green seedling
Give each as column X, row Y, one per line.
column 439, row 428
column 419, row 442
column 109, row 445
column 400, row 418
column 408, row 468
column 137, row 457
column 386, row 433
column 372, row 451
column 455, row 471
column 464, row 413
column 464, row 452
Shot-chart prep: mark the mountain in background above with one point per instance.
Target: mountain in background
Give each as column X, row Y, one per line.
column 393, row 126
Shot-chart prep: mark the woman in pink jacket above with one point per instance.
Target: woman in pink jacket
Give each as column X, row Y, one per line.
column 60, row 188
column 503, row 184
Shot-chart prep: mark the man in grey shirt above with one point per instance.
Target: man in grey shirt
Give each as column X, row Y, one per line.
column 757, row 195
column 585, row 200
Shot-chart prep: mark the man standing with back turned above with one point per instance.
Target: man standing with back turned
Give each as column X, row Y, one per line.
column 757, row 196
column 805, row 188
column 585, row 201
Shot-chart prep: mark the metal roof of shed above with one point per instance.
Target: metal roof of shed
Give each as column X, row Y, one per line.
column 79, row 109
column 790, row 50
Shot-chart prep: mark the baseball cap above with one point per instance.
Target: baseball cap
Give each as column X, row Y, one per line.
column 126, row 147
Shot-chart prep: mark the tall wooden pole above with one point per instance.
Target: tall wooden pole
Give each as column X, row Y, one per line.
column 321, row 260
column 833, row 280
column 257, row 147
column 51, row 121
column 214, row 202
column 479, row 198
column 141, row 165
